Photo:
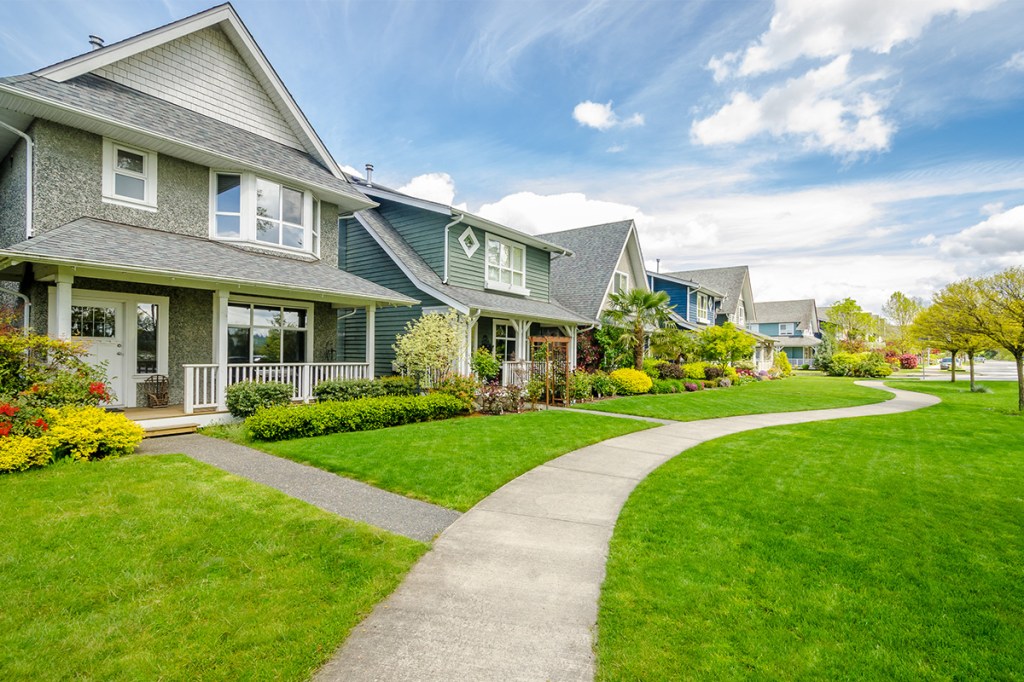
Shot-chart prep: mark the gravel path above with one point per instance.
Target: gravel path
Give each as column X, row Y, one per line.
column 333, row 493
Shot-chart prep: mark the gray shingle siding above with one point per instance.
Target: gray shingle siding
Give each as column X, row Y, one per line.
column 12, row 196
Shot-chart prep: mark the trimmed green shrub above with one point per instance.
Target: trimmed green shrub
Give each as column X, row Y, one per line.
column 662, row 386
column 352, row 389
column 631, row 381
column 580, row 387
column 485, row 364
column 694, row 370
column 712, row 372
column 603, row 385
column 464, row 389
column 246, row 397
column 865, row 364
column 651, row 367
column 670, row 370
column 284, row 422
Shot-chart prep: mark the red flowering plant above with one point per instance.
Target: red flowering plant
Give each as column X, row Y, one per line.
column 18, row 419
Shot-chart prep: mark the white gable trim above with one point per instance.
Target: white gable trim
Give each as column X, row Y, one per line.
column 638, row 266
column 225, row 17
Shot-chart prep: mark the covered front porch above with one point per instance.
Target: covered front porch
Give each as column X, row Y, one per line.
column 509, row 339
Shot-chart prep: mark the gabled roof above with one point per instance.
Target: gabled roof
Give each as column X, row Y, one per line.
column 803, row 312
column 460, row 298
column 582, row 281
column 224, row 17
column 685, row 282
column 465, row 217
column 88, row 243
column 732, row 282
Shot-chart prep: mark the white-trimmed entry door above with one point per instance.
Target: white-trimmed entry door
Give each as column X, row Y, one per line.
column 99, row 325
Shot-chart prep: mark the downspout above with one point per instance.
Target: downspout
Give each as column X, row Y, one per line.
column 446, row 229
column 29, row 146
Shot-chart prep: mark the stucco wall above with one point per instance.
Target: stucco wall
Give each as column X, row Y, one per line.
column 12, row 196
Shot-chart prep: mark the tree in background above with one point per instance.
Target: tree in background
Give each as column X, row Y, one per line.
column 675, row 345
column 1000, row 316
column 637, row 311
column 849, row 321
column 936, row 324
column 901, row 310
column 726, row 344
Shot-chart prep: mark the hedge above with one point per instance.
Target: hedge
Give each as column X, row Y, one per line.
column 352, row 389
column 246, row 397
column 363, row 414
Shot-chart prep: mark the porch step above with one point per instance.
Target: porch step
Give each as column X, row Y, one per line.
column 176, row 430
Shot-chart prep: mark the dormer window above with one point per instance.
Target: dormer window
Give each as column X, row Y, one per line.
column 620, row 282
column 786, row 328
column 129, row 176
column 506, row 266
column 250, row 208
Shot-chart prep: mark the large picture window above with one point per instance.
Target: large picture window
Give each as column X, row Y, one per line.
column 266, row 333
column 250, row 208
column 506, row 265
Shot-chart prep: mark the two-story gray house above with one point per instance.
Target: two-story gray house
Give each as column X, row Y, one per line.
column 449, row 259
column 794, row 326
column 166, row 202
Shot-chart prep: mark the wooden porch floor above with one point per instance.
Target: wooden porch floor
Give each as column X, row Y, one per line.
column 138, row 414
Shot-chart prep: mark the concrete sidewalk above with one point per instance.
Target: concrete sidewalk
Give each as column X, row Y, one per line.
column 342, row 496
column 510, row 590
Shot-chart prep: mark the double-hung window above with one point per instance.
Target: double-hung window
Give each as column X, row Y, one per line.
column 702, row 307
column 129, row 176
column 246, row 207
column 620, row 282
column 786, row 328
column 506, row 266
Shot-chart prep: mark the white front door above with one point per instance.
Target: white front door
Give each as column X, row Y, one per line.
column 99, row 325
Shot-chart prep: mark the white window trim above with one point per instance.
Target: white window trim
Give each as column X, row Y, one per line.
column 501, row 286
column 285, row 303
column 150, row 164
column 247, row 214
column 620, row 273
column 786, row 328
column 470, row 244
column 706, row 316
column 494, row 338
column 741, row 316
column 129, row 340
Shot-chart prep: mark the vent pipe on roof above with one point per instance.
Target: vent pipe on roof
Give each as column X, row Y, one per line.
column 96, row 42
column 658, row 267
column 369, row 175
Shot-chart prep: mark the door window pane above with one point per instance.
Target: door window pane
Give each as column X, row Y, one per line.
column 146, row 335
column 93, row 322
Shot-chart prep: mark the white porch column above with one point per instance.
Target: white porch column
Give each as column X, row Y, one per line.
column 572, row 347
column 62, row 304
column 220, row 345
column 524, row 352
column 371, row 338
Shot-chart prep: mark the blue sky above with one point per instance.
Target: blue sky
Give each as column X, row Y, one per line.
column 854, row 150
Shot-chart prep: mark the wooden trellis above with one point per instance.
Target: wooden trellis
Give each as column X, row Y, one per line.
column 550, row 363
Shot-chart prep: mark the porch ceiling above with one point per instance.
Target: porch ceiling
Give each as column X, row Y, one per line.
column 97, row 248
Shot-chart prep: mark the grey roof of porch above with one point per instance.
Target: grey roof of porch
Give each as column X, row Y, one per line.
column 93, row 243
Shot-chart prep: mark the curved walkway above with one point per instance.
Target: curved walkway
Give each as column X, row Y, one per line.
column 336, row 494
column 510, row 590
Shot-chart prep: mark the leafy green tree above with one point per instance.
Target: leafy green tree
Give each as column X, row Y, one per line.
column 901, row 310
column 849, row 320
column 1000, row 316
column 638, row 311
column 430, row 346
column 674, row 344
column 726, row 344
column 936, row 325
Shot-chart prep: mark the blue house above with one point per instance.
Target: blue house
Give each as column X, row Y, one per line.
column 795, row 327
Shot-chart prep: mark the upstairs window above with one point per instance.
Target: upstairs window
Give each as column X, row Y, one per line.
column 786, row 329
column 620, row 282
column 129, row 176
column 741, row 316
column 506, row 266
column 703, row 302
column 250, row 208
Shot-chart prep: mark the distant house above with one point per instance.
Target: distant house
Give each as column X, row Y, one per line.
column 605, row 259
column 794, row 325
column 449, row 259
column 696, row 306
column 164, row 201
column 730, row 291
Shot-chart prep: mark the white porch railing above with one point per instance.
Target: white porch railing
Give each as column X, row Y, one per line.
column 203, row 382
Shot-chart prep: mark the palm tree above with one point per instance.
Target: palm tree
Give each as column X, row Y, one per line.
column 637, row 311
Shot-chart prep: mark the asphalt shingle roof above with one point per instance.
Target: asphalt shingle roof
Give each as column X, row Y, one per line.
column 800, row 311
column 113, row 245
column 471, row 298
column 729, row 281
column 99, row 96
column 580, row 281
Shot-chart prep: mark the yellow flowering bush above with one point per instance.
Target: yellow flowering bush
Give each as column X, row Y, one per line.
column 18, row 453
column 84, row 432
column 631, row 381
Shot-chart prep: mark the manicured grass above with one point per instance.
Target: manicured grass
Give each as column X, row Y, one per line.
column 796, row 393
column 878, row 548
column 150, row 568
column 454, row 463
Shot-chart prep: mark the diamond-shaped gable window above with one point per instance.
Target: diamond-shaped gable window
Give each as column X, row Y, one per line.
column 469, row 242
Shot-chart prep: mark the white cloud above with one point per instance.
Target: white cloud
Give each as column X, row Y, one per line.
column 1015, row 62
column 616, row 149
column 537, row 213
column 993, row 208
column 824, row 109
column 437, row 187
column 1001, row 235
column 823, row 30
column 603, row 117
column 352, row 171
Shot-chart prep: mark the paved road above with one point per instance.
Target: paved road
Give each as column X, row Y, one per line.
column 510, row 590
column 993, row 370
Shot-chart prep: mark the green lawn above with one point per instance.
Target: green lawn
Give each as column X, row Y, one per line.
column 877, row 548
column 154, row 568
column 454, row 463
column 797, row 393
